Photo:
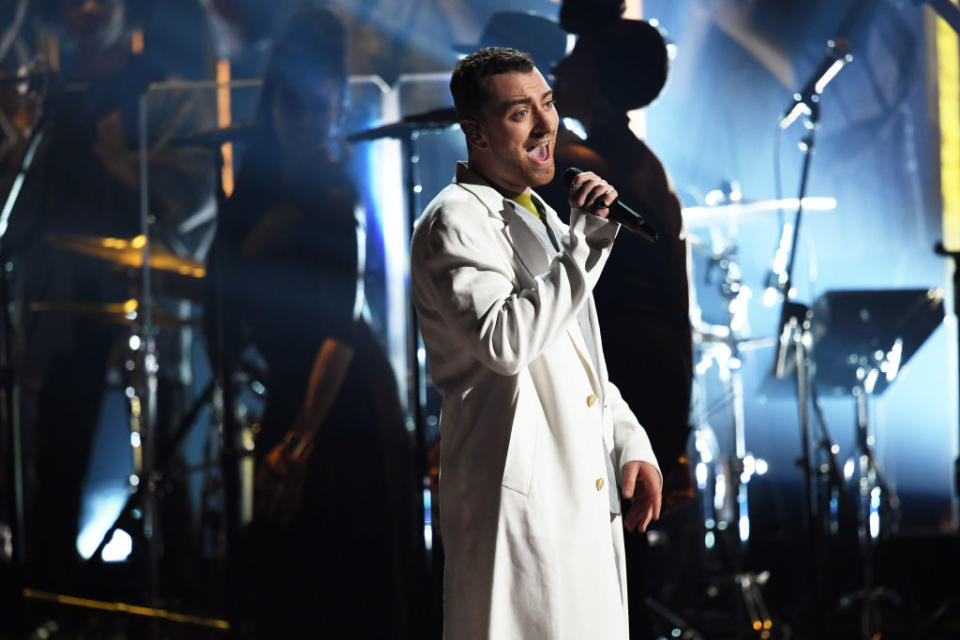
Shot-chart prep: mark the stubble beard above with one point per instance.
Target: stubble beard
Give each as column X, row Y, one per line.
column 542, row 175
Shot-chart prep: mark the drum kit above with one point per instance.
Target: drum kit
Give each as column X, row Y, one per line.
column 847, row 343
column 176, row 289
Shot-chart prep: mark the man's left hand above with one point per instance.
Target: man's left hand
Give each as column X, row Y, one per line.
column 642, row 486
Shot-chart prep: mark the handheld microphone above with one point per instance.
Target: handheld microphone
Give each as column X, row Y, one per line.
column 619, row 212
column 838, row 54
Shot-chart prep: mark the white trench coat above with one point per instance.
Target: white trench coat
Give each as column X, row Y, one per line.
column 532, row 551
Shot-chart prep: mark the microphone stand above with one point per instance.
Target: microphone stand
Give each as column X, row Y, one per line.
column 794, row 333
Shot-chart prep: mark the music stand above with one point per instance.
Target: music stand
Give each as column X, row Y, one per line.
column 855, row 343
column 883, row 328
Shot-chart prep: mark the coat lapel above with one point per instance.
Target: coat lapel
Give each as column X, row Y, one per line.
column 527, row 246
column 530, row 251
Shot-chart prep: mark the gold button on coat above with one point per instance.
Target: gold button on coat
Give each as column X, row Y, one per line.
column 599, row 484
column 591, row 399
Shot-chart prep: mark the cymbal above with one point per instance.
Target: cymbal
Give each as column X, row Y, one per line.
column 242, row 132
column 750, row 210
column 434, row 119
column 126, row 313
column 128, row 253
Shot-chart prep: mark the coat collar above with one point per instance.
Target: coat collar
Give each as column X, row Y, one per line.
column 526, row 244
column 473, row 182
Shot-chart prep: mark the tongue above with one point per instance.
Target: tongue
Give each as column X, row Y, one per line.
column 539, row 153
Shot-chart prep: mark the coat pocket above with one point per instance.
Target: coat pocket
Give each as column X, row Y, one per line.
column 528, row 422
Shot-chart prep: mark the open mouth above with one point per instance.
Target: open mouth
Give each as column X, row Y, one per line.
column 540, row 154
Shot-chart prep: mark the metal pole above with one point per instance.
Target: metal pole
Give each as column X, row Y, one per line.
column 10, row 389
column 151, row 527
column 800, row 337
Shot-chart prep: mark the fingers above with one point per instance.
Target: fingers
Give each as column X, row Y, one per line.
column 657, row 504
column 641, row 483
column 629, row 480
column 639, row 516
column 591, row 192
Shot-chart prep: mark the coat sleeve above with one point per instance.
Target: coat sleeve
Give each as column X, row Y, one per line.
column 630, row 440
column 459, row 269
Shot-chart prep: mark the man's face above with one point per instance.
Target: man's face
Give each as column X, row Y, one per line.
column 518, row 126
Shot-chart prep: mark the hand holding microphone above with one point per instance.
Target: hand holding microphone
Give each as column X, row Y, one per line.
column 589, row 191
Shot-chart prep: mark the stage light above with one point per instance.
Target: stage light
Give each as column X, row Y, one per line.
column 427, row 520
column 101, row 510
column 948, row 103
column 770, row 296
column 720, row 494
column 701, row 473
column 573, row 125
column 119, row 547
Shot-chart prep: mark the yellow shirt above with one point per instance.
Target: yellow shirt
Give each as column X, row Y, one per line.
column 525, row 200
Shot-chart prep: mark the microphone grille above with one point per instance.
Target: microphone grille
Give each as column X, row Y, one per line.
column 839, row 47
column 569, row 175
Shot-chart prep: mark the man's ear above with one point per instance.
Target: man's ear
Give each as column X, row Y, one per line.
column 474, row 133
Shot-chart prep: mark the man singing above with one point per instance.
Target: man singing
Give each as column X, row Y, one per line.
column 535, row 438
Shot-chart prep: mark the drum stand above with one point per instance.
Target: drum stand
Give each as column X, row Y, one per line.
column 872, row 492
column 730, row 503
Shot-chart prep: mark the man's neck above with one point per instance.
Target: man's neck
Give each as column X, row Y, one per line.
column 504, row 191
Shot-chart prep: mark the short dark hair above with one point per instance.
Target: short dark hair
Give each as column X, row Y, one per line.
column 468, row 85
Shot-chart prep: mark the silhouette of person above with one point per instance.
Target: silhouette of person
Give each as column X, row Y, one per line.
column 334, row 534
column 642, row 295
